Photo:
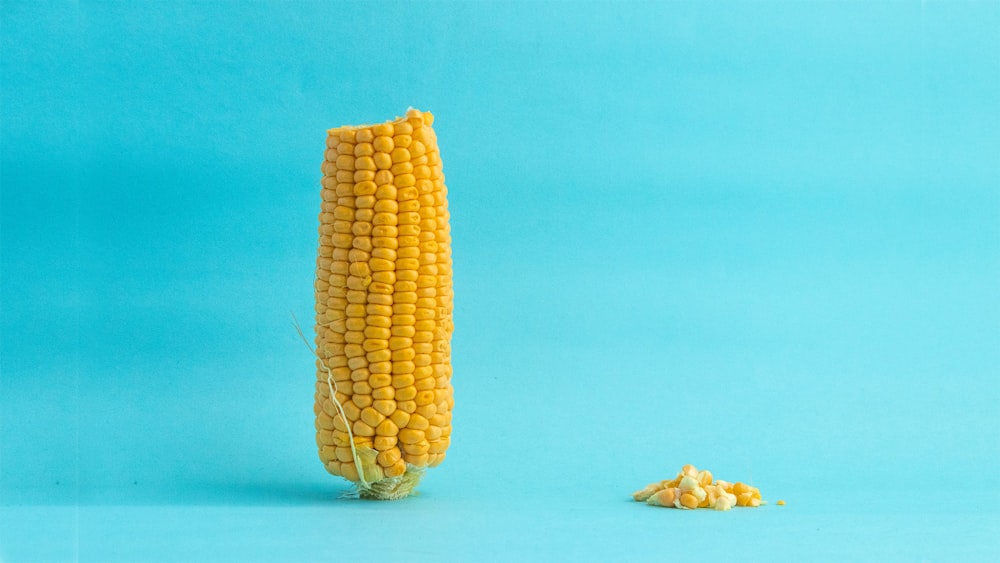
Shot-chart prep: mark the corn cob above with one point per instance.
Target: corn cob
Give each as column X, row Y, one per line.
column 383, row 306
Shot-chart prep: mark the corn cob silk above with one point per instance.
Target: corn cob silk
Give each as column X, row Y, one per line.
column 383, row 286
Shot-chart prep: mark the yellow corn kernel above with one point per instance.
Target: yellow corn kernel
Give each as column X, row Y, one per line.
column 371, row 417
column 385, row 407
column 383, row 163
column 424, row 396
column 780, row 502
column 400, row 418
column 406, row 394
column 377, row 380
column 688, row 484
column 343, row 454
column 688, row 500
column 410, row 436
column 388, row 457
column 383, row 337
column 407, row 194
column 387, row 428
column 386, row 206
column 404, row 355
column 428, row 412
column 384, row 277
column 398, row 469
column 401, row 168
column 418, row 422
column 362, row 428
column 398, row 154
column 361, row 398
column 383, row 143
column 417, row 449
column 402, row 127
column 417, row 150
column 384, row 129
column 664, row 497
column 705, row 502
column 402, row 381
column 363, row 189
column 712, row 495
column 346, row 162
column 385, row 242
column 383, row 443
column 725, row 502
column 705, row 478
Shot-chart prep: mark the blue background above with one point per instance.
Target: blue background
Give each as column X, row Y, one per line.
column 763, row 238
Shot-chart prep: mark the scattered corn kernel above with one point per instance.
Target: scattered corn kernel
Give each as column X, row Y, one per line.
column 665, row 497
column 725, row 502
column 688, row 484
column 688, row 500
column 705, row 478
column 643, row 494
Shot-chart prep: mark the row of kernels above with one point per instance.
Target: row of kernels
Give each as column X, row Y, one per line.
column 379, row 296
column 412, row 126
column 339, row 223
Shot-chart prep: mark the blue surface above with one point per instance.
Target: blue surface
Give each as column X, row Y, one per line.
column 763, row 238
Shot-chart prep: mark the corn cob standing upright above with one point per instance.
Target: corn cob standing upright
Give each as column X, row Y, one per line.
column 383, row 306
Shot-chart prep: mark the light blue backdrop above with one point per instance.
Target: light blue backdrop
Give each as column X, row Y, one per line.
column 760, row 237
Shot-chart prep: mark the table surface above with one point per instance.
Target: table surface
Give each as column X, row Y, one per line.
column 309, row 523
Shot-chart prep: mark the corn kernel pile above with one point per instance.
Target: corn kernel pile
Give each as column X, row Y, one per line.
column 697, row 489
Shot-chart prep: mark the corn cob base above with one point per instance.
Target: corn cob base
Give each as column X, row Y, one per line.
column 386, row 488
column 383, row 307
